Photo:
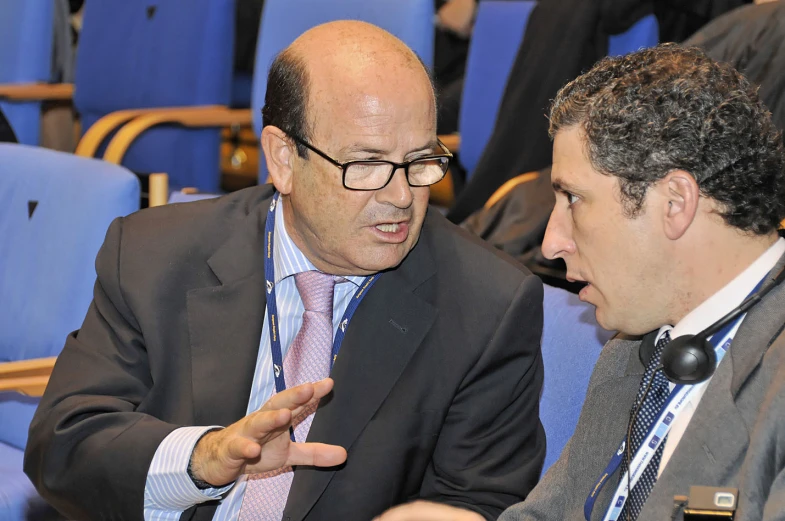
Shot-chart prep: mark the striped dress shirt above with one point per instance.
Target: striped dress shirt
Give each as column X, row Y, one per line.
column 168, row 490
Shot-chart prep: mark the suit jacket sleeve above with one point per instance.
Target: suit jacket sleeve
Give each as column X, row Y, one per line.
column 547, row 500
column 89, row 450
column 492, row 445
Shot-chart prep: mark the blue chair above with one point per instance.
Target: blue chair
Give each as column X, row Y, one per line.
column 55, row 209
column 571, row 343
column 26, row 30
column 645, row 33
column 497, row 35
column 284, row 20
column 138, row 57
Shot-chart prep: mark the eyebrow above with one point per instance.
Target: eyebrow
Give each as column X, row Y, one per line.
column 360, row 149
column 561, row 186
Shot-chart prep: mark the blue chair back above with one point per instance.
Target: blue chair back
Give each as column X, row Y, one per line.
column 55, row 209
column 159, row 53
column 571, row 343
column 26, row 30
column 497, row 35
column 645, row 33
column 179, row 197
column 284, row 20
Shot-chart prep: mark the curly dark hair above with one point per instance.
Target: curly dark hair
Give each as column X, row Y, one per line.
column 669, row 107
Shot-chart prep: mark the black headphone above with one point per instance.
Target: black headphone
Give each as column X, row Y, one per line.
column 690, row 359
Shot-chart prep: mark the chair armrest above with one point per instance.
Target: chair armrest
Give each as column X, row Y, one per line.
column 508, row 186
column 37, row 91
column 29, row 386
column 98, row 132
column 189, row 117
column 158, row 190
column 451, row 141
column 26, row 376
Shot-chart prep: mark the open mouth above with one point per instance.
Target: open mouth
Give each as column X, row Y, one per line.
column 391, row 233
column 389, row 228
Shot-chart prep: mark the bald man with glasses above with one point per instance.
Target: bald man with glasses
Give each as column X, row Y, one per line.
column 324, row 347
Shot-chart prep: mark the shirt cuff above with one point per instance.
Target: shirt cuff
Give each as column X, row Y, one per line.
column 168, row 486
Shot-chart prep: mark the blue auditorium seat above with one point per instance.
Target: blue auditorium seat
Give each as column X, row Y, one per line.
column 498, row 32
column 55, row 209
column 645, row 33
column 571, row 343
column 497, row 35
column 284, row 20
column 26, row 29
column 142, row 54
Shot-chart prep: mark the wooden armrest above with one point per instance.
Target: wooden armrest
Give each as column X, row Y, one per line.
column 451, row 141
column 32, row 367
column 96, row 134
column 189, row 117
column 29, row 386
column 26, row 376
column 509, row 185
column 158, row 190
column 37, row 91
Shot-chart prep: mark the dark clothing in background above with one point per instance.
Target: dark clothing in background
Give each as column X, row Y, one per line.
column 6, row 132
column 248, row 15
column 516, row 223
column 752, row 39
column 563, row 39
column 679, row 19
column 449, row 66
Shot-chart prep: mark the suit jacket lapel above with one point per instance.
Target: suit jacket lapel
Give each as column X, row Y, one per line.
column 386, row 330
column 712, row 447
column 225, row 323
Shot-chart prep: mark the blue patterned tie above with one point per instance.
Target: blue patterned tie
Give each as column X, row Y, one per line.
column 648, row 413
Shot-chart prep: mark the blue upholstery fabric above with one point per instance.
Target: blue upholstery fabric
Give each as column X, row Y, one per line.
column 18, row 498
column 571, row 344
column 159, row 53
column 497, row 35
column 645, row 33
column 241, row 91
column 180, row 197
column 47, row 259
column 284, row 20
column 26, row 30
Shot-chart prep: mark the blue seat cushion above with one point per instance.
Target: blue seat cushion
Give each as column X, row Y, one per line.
column 18, row 498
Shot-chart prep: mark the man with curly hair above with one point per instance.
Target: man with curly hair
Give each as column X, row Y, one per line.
column 670, row 187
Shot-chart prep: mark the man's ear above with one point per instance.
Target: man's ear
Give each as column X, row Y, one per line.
column 681, row 196
column 279, row 153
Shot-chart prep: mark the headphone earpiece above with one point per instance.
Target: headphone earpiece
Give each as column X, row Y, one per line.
column 689, row 359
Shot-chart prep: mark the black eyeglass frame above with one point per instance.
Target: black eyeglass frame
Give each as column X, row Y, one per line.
column 395, row 166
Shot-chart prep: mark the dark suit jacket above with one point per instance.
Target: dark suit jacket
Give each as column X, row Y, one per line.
column 735, row 439
column 436, row 388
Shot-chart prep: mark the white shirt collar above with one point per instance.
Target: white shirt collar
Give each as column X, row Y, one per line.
column 730, row 296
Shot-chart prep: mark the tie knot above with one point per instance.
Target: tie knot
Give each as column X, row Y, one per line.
column 316, row 290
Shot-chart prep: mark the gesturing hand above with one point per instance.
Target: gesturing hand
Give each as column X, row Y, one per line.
column 260, row 442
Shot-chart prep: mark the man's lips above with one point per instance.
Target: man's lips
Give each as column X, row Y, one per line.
column 391, row 231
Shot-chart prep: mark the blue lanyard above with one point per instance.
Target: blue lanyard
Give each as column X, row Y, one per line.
column 662, row 426
column 272, row 308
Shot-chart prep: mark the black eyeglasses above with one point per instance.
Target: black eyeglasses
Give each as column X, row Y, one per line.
column 375, row 174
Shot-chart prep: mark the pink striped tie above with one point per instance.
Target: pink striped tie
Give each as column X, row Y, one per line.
column 308, row 360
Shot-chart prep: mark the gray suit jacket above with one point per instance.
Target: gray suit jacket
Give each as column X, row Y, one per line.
column 736, row 437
